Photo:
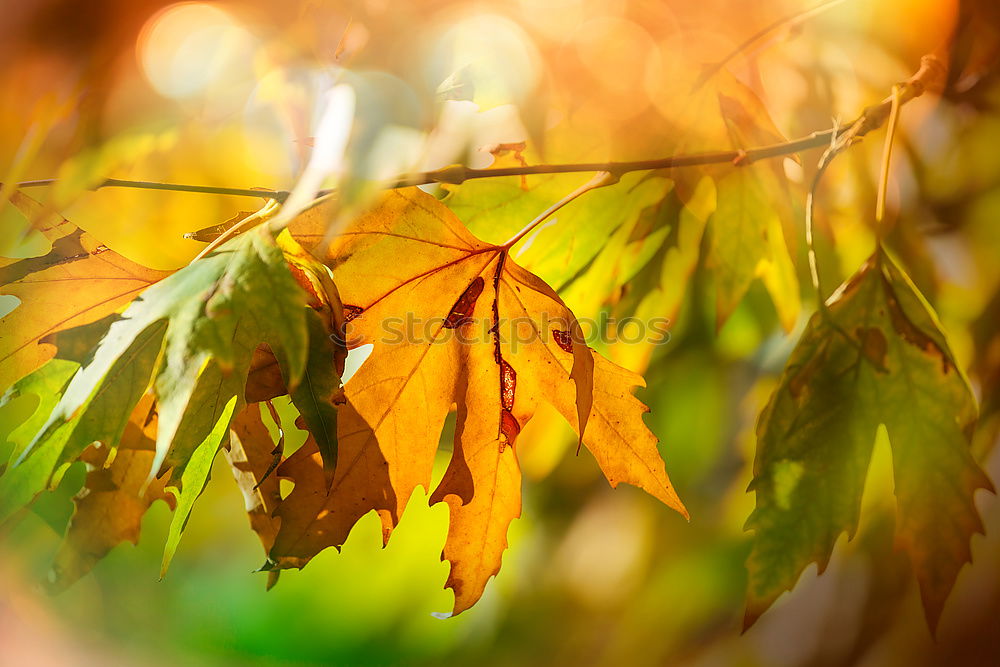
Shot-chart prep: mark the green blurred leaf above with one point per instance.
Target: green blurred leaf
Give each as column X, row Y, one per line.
column 566, row 245
column 747, row 240
column 877, row 356
column 658, row 290
column 624, row 251
column 315, row 394
column 90, row 167
column 190, row 338
column 18, row 486
column 193, row 481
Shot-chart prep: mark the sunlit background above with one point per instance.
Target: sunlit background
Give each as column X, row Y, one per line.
column 237, row 93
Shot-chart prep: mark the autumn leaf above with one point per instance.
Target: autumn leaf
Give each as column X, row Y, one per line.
column 877, row 356
column 457, row 323
column 747, row 237
column 100, row 280
column 573, row 247
column 191, row 339
column 112, row 502
column 20, row 484
column 252, row 456
column 189, row 479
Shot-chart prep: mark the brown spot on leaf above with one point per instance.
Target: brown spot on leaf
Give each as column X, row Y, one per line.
column 912, row 334
column 874, row 346
column 461, row 312
column 563, row 339
column 508, row 382
column 352, row 312
column 509, row 428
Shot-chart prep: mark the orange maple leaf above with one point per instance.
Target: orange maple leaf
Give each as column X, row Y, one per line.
column 479, row 333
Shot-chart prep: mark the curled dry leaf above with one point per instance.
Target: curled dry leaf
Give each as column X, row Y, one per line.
column 252, row 455
column 192, row 340
column 113, row 500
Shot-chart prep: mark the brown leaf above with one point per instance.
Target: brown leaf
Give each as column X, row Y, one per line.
column 109, row 508
column 264, row 381
column 251, row 456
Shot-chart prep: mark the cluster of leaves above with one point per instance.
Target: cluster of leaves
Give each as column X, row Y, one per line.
column 178, row 375
column 148, row 391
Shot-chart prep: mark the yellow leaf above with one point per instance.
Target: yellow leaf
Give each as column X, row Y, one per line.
column 78, row 282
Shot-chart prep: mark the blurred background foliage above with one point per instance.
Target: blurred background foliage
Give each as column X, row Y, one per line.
column 229, row 94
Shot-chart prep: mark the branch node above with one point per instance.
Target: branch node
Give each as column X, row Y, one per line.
column 453, row 174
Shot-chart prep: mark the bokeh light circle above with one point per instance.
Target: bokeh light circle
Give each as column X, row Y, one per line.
column 490, row 57
column 189, row 46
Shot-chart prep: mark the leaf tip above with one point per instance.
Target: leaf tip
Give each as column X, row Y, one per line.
column 755, row 608
column 750, row 617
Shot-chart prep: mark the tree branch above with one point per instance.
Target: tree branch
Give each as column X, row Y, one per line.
column 930, row 76
column 171, row 187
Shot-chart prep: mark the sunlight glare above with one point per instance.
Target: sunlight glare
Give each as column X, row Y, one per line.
column 189, row 46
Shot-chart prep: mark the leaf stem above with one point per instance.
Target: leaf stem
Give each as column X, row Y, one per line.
column 931, row 75
column 253, row 219
column 824, row 162
column 598, row 181
column 883, row 181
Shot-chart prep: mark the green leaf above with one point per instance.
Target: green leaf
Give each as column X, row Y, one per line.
column 314, row 396
column 624, row 252
column 878, row 357
column 497, row 208
column 190, row 338
column 18, row 486
column 193, row 481
column 747, row 239
column 658, row 290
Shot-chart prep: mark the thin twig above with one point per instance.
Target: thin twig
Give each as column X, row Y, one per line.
column 824, row 162
column 790, row 22
column 280, row 195
column 931, row 75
